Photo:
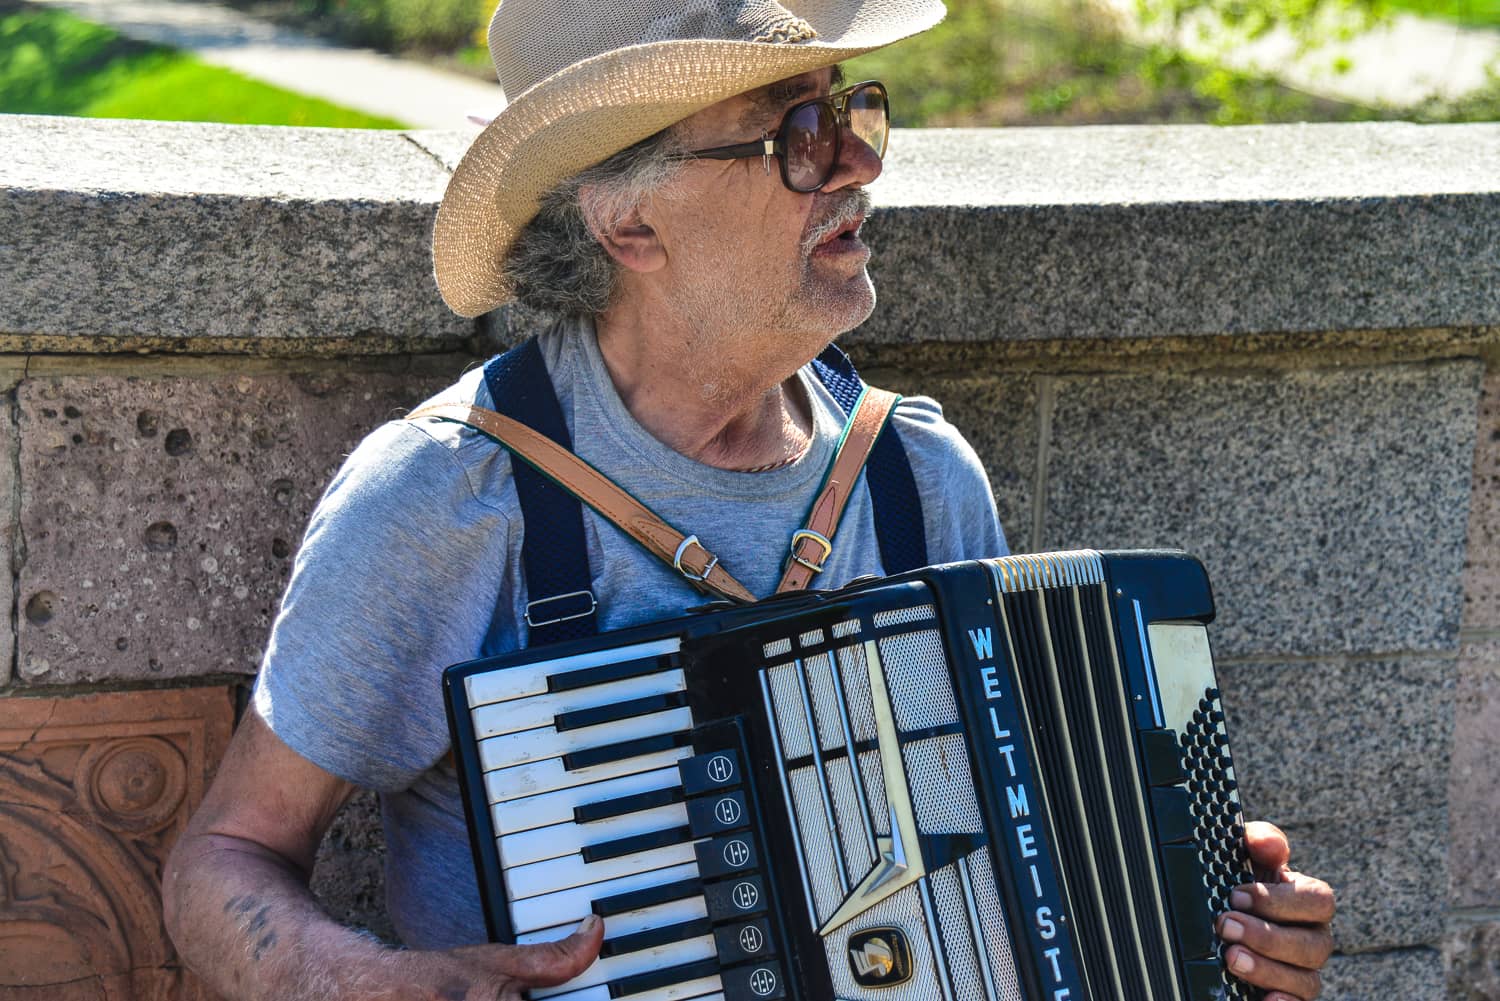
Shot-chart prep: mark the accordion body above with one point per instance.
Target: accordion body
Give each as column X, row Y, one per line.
column 1001, row 780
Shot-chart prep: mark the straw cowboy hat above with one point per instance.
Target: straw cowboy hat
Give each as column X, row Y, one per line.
column 587, row 79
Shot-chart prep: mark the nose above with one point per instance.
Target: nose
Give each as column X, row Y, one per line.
column 858, row 163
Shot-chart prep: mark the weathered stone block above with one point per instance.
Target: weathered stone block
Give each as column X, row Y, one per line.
column 1472, row 956
column 160, row 514
column 1387, row 870
column 1482, row 568
column 93, row 791
column 1407, row 974
column 1330, row 507
column 349, row 873
column 1474, row 789
column 1319, row 743
column 997, row 414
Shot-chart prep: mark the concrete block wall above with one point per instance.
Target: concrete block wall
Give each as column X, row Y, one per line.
column 1273, row 347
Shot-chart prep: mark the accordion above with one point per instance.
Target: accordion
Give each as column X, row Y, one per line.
column 1000, row 780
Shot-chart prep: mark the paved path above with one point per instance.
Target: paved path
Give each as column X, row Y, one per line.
column 355, row 78
column 1400, row 63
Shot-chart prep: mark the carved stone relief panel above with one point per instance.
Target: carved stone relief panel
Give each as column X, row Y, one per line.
column 93, row 791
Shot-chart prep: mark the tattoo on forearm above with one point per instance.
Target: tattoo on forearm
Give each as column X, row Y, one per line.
column 255, row 926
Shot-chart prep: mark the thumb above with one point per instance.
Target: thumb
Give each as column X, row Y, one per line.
column 1268, row 848
column 550, row 963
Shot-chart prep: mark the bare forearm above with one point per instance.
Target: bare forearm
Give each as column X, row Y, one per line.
column 245, row 921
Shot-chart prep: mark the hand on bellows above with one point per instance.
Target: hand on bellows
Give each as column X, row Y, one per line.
column 1279, row 924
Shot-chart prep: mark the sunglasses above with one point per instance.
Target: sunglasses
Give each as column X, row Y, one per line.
column 811, row 133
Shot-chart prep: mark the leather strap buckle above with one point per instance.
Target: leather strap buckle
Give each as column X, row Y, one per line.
column 565, row 616
column 816, row 564
column 682, row 547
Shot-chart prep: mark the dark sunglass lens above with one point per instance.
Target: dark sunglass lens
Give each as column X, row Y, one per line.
column 811, row 135
column 869, row 117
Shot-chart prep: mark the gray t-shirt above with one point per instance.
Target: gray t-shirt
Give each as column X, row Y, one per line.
column 412, row 560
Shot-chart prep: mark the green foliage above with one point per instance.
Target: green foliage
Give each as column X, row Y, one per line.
column 52, row 63
column 1228, row 23
column 1479, row 13
column 427, row 25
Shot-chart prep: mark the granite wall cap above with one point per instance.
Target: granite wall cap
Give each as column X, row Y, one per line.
column 234, row 233
column 167, row 231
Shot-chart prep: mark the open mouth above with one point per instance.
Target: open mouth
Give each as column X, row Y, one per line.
column 848, row 232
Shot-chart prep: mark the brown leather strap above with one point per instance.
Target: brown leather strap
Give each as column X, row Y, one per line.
column 813, row 543
column 682, row 552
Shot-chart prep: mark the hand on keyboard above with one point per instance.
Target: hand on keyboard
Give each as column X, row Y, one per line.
column 504, row 972
column 1281, row 922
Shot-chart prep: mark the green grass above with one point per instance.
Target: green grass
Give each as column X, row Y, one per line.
column 1476, row 13
column 52, row 63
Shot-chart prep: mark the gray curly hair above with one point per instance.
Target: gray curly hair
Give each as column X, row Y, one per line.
column 557, row 265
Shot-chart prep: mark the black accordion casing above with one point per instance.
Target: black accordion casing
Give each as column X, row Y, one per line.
column 1001, row 780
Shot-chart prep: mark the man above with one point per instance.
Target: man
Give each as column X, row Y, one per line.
column 628, row 189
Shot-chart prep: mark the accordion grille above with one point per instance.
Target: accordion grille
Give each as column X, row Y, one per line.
column 855, row 675
column 817, row 843
column 992, row 921
column 825, row 701
column 873, row 774
column 958, row 936
column 859, row 856
column 942, row 787
column 904, row 616
column 786, row 692
column 917, row 672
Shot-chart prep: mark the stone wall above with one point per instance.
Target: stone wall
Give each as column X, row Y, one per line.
column 1273, row 347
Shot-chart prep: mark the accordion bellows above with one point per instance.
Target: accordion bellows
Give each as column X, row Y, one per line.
column 1003, row 780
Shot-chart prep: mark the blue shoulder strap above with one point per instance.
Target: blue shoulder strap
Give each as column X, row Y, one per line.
column 554, row 555
column 899, row 527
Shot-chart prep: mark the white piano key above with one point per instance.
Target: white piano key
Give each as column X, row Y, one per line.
column 566, row 839
column 540, row 710
column 551, row 808
column 545, row 742
column 531, row 679
column 673, row 912
column 601, row 993
column 633, row 963
column 533, row 778
column 571, row 870
column 573, row 905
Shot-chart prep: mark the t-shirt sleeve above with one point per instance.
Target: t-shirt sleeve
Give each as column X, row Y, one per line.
column 958, row 506
column 397, row 578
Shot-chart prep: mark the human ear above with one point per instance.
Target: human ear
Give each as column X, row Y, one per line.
column 628, row 239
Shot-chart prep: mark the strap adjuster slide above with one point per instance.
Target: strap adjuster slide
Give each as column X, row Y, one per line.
column 682, row 547
column 816, row 564
column 565, row 615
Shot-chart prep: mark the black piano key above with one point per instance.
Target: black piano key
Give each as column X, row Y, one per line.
column 1162, row 756
column 635, row 843
column 754, row 982
column 657, row 979
column 1173, row 810
column 619, row 671
column 590, row 756
column 738, row 943
column 649, row 896
column 735, row 898
column 1191, row 909
column 726, row 855
column 656, row 936
column 617, row 711
column 618, row 807
column 710, row 815
column 705, row 772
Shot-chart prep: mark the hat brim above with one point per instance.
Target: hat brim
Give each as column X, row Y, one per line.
column 590, row 111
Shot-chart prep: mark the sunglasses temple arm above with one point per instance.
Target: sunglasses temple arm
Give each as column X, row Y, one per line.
column 768, row 150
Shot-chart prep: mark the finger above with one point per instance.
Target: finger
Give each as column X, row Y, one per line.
column 1298, row 899
column 1268, row 847
column 545, row 964
column 1295, row 945
column 1301, row 984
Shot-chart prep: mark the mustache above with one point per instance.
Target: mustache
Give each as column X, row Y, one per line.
column 849, row 207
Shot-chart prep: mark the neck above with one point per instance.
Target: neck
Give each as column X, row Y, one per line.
column 707, row 396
